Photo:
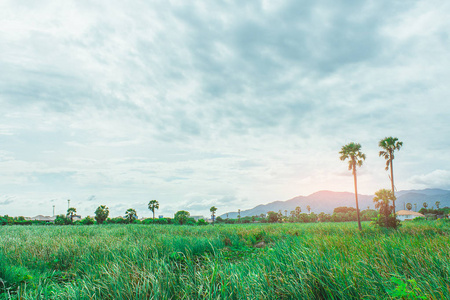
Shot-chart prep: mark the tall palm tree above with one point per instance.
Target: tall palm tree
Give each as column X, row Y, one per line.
column 213, row 211
column 309, row 209
column 425, row 205
column 415, row 206
column 352, row 152
column 389, row 145
column 437, row 204
column 152, row 205
column 71, row 212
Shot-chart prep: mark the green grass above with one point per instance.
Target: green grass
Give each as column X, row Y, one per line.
column 302, row 261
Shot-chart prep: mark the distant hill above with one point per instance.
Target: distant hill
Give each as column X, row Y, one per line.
column 327, row 201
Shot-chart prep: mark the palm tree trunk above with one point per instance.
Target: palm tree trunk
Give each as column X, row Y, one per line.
column 392, row 182
column 153, row 216
column 356, row 197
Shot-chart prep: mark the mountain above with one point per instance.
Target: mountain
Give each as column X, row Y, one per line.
column 327, row 201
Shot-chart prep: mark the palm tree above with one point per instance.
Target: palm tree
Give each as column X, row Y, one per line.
column 71, row 212
column 239, row 215
column 408, row 206
column 309, row 209
column 415, row 206
column 425, row 205
column 389, row 145
column 285, row 213
column 213, row 211
column 437, row 204
column 131, row 215
column 152, row 205
column 352, row 152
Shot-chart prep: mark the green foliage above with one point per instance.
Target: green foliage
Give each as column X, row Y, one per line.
column 71, row 212
column 202, row 222
column 386, row 217
column 130, row 215
column 62, row 220
column 255, row 261
column 182, row 217
column 405, row 290
column 87, row 221
column 274, row 217
column 101, row 214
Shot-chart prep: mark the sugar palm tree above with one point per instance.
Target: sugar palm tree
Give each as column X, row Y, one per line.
column 408, row 206
column 437, row 204
column 308, row 208
column 352, row 152
column 389, row 145
column 152, row 205
column 71, row 212
column 425, row 205
column 213, row 211
column 131, row 215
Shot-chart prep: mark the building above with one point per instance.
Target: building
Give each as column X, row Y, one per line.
column 406, row 215
column 196, row 218
column 43, row 218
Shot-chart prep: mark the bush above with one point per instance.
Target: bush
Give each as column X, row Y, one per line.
column 62, row 220
column 202, row 222
column 87, row 221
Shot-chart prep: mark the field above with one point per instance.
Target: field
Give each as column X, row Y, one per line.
column 292, row 261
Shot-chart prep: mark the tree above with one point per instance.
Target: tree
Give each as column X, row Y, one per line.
column 382, row 201
column 101, row 214
column 437, row 204
column 181, row 217
column 130, row 215
column 389, row 145
column 152, row 205
column 71, row 212
column 273, row 217
column 308, row 208
column 425, row 205
column 285, row 213
column 352, row 152
column 408, row 206
column 239, row 215
column 415, row 206
column 213, row 210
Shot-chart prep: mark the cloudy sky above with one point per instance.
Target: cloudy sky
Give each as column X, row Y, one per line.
column 225, row 103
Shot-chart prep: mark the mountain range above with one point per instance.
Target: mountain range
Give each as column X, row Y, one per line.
column 327, row 201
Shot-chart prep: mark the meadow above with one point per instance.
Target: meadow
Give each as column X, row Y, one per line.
column 242, row 261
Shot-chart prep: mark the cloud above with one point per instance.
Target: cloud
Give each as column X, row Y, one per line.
column 220, row 102
column 434, row 179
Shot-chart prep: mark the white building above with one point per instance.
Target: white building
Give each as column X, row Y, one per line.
column 406, row 215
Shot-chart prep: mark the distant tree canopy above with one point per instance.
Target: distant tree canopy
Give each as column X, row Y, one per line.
column 182, row 217
column 344, row 210
column 71, row 212
column 131, row 215
column 101, row 214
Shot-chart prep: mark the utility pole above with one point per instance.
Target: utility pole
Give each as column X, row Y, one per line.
column 68, row 203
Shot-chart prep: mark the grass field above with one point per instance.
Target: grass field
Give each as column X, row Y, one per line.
column 300, row 261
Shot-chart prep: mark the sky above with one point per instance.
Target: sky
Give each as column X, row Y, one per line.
column 224, row 103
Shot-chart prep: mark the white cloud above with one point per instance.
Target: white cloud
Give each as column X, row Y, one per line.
column 194, row 104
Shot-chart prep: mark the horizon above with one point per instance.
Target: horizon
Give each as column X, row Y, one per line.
column 224, row 104
column 207, row 216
